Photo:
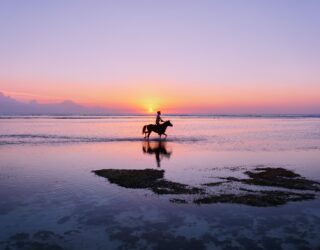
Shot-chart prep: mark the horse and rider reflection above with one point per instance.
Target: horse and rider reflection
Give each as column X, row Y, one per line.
column 158, row 148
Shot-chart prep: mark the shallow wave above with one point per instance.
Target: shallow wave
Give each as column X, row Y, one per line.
column 45, row 138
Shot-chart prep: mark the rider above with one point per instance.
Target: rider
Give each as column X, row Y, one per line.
column 158, row 119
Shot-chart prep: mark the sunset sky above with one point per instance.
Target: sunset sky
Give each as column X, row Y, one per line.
column 179, row 56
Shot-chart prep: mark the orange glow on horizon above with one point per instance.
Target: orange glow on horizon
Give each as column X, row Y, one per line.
column 171, row 97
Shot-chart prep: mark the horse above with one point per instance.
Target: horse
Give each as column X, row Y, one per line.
column 159, row 129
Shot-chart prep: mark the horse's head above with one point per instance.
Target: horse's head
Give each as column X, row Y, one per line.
column 168, row 123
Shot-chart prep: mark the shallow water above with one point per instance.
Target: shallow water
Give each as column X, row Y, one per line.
column 49, row 196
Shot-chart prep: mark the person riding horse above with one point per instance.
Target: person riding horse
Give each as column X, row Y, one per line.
column 158, row 119
column 159, row 128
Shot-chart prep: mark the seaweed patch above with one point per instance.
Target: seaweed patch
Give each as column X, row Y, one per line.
column 280, row 177
column 257, row 199
column 154, row 180
column 178, row 201
column 146, row 179
column 276, row 177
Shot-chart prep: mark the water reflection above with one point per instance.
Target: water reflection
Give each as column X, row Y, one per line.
column 159, row 148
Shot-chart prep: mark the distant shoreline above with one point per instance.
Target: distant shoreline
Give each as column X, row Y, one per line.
column 115, row 116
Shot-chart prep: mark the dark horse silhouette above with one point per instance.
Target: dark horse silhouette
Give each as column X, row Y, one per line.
column 159, row 129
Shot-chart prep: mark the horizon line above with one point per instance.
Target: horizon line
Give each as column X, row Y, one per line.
column 169, row 114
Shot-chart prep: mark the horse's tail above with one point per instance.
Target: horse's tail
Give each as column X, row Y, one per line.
column 144, row 129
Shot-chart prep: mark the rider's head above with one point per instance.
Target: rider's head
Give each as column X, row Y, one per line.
column 159, row 112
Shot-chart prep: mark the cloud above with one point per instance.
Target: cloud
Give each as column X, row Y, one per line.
column 10, row 106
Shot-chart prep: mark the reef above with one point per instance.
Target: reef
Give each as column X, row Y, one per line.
column 256, row 198
column 178, row 201
column 212, row 184
column 276, row 177
column 280, row 177
column 154, row 180
column 151, row 179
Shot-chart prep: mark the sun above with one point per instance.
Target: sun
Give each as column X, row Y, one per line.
column 149, row 105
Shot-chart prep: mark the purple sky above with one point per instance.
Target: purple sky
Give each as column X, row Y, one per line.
column 196, row 56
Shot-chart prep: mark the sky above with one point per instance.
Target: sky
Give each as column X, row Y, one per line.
column 180, row 56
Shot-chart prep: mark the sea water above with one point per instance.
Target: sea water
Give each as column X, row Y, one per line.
column 50, row 198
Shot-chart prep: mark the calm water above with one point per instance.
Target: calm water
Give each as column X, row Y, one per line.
column 50, row 199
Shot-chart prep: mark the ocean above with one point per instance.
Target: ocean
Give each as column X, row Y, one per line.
column 51, row 198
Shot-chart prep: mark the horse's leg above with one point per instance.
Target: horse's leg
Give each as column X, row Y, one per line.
column 165, row 135
column 145, row 134
column 149, row 132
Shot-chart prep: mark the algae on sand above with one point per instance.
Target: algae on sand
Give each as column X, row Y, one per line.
column 265, row 176
column 275, row 177
column 256, row 198
column 131, row 178
column 178, row 201
column 153, row 180
column 280, row 177
column 146, row 179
